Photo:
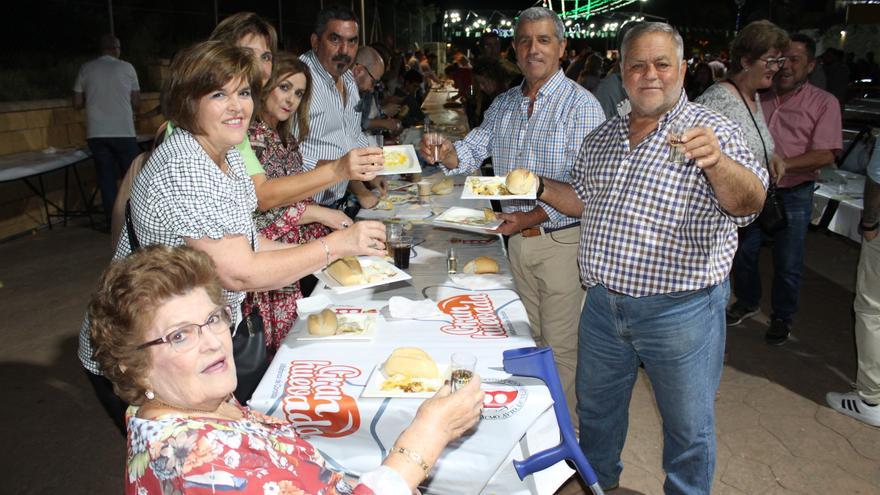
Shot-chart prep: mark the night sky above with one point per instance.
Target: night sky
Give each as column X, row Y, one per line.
column 46, row 40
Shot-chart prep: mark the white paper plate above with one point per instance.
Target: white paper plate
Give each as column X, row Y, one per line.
column 374, row 385
column 467, row 219
column 470, row 182
column 400, row 159
column 367, row 321
column 370, row 264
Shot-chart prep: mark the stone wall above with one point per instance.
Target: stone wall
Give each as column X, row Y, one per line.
column 37, row 125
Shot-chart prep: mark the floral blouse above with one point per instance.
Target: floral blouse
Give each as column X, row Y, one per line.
column 257, row 454
column 280, row 160
column 279, row 308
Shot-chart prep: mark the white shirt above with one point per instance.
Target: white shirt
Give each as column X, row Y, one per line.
column 334, row 124
column 107, row 83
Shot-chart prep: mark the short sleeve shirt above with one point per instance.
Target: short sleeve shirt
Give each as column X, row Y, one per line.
column 651, row 226
column 806, row 121
column 181, row 193
column 107, row 83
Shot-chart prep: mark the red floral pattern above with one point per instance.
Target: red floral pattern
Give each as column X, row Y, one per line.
column 256, row 455
column 278, row 307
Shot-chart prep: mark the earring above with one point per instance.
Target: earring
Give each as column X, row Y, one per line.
column 150, row 394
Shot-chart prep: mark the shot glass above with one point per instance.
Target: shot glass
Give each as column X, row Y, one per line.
column 400, row 250
column 435, row 141
column 424, row 187
column 676, row 147
column 461, row 369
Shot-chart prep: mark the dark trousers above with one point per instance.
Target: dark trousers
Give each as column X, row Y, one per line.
column 114, row 406
column 788, row 256
column 112, row 157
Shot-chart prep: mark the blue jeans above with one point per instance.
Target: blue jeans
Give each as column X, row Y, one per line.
column 680, row 339
column 788, row 257
column 112, row 158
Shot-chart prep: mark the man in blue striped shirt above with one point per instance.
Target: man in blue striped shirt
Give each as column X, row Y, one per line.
column 538, row 125
column 334, row 121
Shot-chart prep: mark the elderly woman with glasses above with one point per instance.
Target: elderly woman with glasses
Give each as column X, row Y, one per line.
column 755, row 57
column 160, row 325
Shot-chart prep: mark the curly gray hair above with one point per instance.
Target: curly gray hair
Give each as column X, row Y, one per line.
column 536, row 14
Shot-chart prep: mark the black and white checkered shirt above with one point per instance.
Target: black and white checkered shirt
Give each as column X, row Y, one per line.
column 651, row 226
column 181, row 193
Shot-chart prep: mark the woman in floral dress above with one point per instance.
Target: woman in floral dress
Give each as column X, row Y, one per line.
column 160, row 327
column 285, row 106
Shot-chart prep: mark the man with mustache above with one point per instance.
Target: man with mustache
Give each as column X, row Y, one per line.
column 805, row 124
column 334, row 119
column 537, row 125
column 658, row 240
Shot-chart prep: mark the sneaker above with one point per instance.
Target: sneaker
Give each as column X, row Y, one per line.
column 737, row 312
column 778, row 332
column 853, row 406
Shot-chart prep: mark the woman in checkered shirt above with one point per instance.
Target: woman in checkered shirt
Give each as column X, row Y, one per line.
column 194, row 190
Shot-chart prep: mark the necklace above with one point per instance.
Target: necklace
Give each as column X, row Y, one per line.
column 214, row 412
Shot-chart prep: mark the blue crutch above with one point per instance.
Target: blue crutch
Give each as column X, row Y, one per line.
column 537, row 362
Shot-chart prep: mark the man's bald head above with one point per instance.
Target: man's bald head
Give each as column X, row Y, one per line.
column 371, row 59
column 368, row 68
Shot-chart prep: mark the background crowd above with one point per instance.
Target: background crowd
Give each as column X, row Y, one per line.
column 268, row 155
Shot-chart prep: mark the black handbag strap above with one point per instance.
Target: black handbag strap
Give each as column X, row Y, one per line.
column 757, row 129
column 133, row 242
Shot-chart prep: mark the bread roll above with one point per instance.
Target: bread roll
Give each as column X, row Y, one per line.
column 483, row 264
column 411, row 362
column 443, row 186
column 520, row 181
column 347, row 271
column 323, row 323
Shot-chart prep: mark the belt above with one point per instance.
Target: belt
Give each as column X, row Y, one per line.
column 796, row 188
column 536, row 231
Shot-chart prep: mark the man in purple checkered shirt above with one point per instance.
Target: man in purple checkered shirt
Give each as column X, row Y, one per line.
column 657, row 245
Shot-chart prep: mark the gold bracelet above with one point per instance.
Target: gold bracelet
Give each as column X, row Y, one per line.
column 414, row 457
column 326, row 250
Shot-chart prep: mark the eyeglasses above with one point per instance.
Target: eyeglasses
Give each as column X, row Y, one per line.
column 771, row 62
column 375, row 81
column 186, row 338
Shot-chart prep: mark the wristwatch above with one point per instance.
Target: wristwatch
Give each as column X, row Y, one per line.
column 868, row 228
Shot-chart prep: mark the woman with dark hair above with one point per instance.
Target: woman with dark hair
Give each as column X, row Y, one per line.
column 275, row 135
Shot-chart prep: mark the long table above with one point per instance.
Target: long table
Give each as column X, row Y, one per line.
column 31, row 166
column 842, row 191
column 317, row 385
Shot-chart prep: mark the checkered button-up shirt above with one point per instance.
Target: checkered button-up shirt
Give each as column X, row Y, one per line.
column 181, row 193
column 651, row 226
column 546, row 143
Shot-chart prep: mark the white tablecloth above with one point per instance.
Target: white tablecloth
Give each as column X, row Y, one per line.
column 317, row 384
column 30, row 163
column 847, row 188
